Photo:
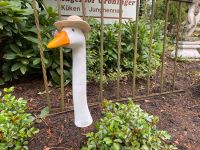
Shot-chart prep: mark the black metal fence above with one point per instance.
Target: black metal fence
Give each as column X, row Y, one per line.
column 64, row 108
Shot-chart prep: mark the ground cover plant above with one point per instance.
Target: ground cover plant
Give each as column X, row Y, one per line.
column 16, row 126
column 127, row 127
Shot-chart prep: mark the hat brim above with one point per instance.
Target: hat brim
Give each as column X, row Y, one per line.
column 83, row 25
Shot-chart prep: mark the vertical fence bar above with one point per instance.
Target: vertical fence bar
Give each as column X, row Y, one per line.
column 145, row 9
column 164, row 46
column 41, row 53
column 176, row 50
column 101, row 50
column 62, row 103
column 135, row 51
column 119, row 50
column 83, row 10
column 150, row 47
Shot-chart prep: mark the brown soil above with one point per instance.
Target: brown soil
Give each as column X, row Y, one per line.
column 179, row 113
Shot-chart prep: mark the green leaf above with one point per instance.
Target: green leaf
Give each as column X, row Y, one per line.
column 118, row 140
column 8, row 19
column 165, row 135
column 32, row 39
column 35, row 130
column 15, row 67
column 1, row 82
column 23, row 69
column 25, row 61
column 28, row 10
column 36, row 61
column 4, row 3
column 55, row 77
column 15, row 48
column 7, row 77
column 107, row 140
column 19, row 42
column 44, row 112
column 3, row 118
column 9, row 90
column 9, row 56
column 25, row 147
column 115, row 146
column 66, row 63
column 33, row 29
column 1, row 26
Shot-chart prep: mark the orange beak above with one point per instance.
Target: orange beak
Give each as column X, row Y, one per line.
column 61, row 39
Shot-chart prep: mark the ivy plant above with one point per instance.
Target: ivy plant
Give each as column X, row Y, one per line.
column 127, row 127
column 16, row 126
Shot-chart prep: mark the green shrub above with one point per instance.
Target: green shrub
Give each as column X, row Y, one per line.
column 16, row 126
column 127, row 127
column 20, row 44
column 12, row 16
column 110, row 48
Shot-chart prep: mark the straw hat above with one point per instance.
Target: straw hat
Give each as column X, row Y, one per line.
column 73, row 21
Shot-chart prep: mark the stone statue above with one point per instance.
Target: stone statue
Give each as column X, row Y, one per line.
column 188, row 46
column 193, row 18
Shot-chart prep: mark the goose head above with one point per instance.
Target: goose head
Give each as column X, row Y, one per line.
column 71, row 33
column 70, row 37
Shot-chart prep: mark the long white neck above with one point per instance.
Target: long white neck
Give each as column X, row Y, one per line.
column 79, row 84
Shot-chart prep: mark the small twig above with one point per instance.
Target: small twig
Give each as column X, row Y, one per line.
column 42, row 120
column 57, row 147
column 61, row 134
column 36, row 111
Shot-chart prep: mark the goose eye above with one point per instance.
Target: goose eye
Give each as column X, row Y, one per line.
column 73, row 30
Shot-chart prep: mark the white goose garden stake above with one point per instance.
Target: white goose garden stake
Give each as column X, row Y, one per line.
column 71, row 35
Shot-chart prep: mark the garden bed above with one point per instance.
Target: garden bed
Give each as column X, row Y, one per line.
column 179, row 113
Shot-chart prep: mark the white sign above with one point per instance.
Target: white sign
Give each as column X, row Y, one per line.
column 93, row 9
